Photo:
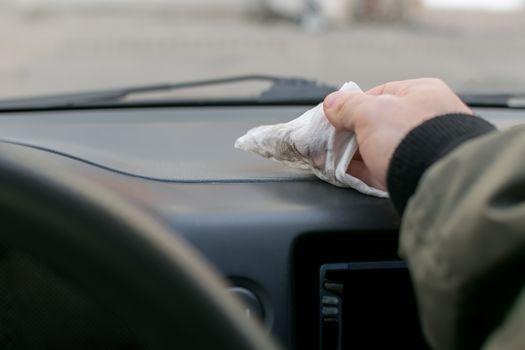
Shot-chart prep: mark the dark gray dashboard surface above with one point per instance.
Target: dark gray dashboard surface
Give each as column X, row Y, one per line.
column 242, row 212
column 181, row 145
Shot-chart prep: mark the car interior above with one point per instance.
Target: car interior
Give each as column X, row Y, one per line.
column 130, row 221
column 135, row 226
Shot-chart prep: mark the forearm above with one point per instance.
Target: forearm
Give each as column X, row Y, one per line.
column 462, row 231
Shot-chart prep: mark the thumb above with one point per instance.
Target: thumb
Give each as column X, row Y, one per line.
column 340, row 108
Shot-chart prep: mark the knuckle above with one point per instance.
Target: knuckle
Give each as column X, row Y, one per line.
column 356, row 110
column 435, row 81
column 384, row 102
column 347, row 109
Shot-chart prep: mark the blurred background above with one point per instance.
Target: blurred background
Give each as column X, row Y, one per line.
column 57, row 46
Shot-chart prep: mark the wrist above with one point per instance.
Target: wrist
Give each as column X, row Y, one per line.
column 423, row 146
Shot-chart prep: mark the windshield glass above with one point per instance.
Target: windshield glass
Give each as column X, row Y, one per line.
column 64, row 46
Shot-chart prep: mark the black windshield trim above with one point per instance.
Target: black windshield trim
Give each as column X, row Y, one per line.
column 167, row 104
column 282, row 90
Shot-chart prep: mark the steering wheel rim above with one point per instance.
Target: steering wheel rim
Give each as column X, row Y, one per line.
column 123, row 255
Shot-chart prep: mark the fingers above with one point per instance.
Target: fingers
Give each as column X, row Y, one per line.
column 397, row 87
column 342, row 107
column 390, row 88
column 378, row 90
column 408, row 98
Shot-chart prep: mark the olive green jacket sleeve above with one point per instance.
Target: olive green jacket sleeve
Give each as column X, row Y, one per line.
column 463, row 236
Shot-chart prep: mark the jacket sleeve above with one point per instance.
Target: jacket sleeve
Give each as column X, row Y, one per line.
column 463, row 236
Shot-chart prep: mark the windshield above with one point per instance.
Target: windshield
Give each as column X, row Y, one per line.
column 64, row 46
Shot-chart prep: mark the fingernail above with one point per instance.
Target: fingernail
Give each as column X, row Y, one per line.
column 331, row 100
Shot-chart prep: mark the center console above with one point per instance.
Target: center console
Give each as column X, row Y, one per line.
column 352, row 291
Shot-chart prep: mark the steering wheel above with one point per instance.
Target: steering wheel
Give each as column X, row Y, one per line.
column 119, row 254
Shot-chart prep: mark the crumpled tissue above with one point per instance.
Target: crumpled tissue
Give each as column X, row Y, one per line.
column 311, row 143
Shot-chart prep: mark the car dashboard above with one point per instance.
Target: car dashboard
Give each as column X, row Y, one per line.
column 300, row 253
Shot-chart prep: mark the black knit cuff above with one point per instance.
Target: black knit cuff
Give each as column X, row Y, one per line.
column 425, row 145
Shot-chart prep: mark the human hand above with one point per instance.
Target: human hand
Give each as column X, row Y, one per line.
column 383, row 116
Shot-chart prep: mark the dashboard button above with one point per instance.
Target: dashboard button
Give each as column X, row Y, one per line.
column 329, row 311
column 251, row 305
column 329, row 300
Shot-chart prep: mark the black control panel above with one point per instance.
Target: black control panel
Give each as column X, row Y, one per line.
column 367, row 305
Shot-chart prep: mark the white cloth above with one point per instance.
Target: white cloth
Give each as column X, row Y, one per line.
column 310, row 142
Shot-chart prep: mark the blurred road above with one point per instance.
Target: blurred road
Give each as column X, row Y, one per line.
column 64, row 51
